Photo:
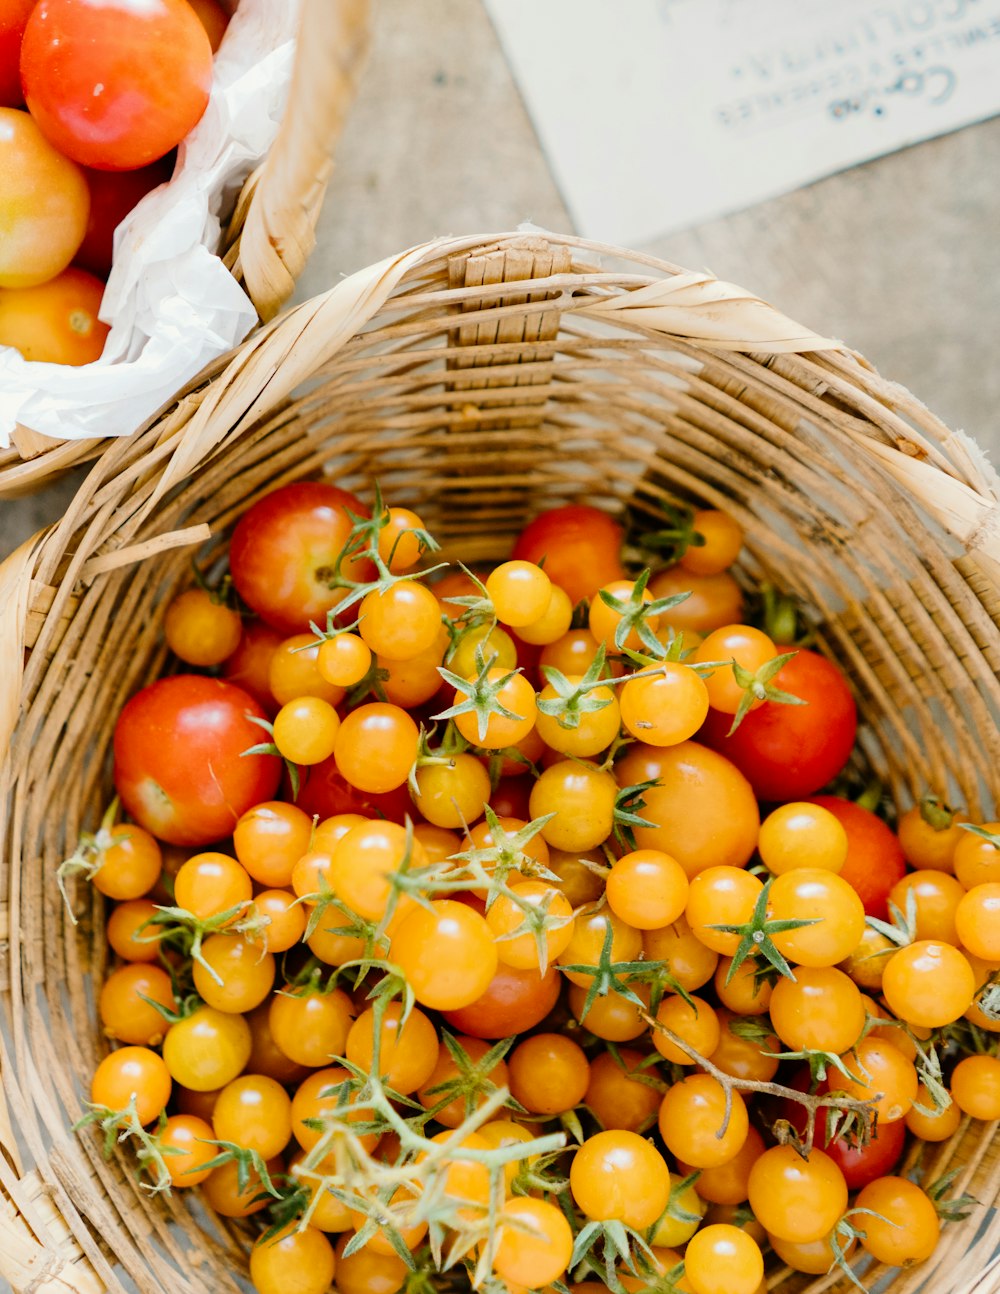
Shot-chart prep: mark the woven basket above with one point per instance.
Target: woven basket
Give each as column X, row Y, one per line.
column 480, row 380
column 270, row 232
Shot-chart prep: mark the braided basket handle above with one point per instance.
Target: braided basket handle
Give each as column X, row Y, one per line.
column 273, row 230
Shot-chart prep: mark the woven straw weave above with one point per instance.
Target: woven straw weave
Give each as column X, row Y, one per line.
column 480, row 380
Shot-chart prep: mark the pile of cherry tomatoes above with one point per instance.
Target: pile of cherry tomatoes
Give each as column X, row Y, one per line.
column 109, row 90
column 488, row 928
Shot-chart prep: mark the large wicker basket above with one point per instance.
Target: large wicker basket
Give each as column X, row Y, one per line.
column 269, row 234
column 480, row 380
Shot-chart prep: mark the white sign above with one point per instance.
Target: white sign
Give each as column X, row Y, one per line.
column 659, row 114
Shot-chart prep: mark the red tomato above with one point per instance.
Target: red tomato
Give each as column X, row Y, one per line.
column 113, row 194
column 514, row 1001
column 284, row 549
column 323, row 792
column 179, row 765
column 863, row 1164
column 859, row 1164
column 580, row 546
column 13, row 18
column 875, row 859
column 115, row 84
column 788, row 752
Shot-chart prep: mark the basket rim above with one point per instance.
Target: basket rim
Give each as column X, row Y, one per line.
column 107, row 526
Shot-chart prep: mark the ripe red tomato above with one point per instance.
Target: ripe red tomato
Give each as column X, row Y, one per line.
column 514, row 1001
column 14, row 16
column 115, row 85
column 179, row 765
column 578, row 547
column 284, row 549
column 113, row 194
column 875, row 859
column 788, row 752
column 859, row 1164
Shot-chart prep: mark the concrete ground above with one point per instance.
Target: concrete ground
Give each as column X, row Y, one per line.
column 899, row 257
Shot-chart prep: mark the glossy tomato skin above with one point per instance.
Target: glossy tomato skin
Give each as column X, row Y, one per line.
column 118, row 84
column 55, row 322
column 43, row 204
column 179, row 767
column 14, row 16
column 113, row 194
column 284, row 548
column 859, row 1164
column 875, row 859
column 578, row 547
column 863, row 1164
column 514, row 1002
column 789, row 752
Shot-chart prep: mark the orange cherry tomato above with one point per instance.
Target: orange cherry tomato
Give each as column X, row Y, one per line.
column 820, row 1010
column 549, row 1074
column 796, row 1198
column 936, row 897
column 928, row 983
column 299, row 1259
column 620, row 1176
column 712, row 601
column 722, row 539
column 447, row 954
column 375, row 747
column 832, row 906
column 704, row 808
column 903, row 1227
column 975, row 1087
column 665, row 708
column 285, row 917
column 881, row 1071
column 44, row 204
column 200, row 629
column 132, row 1073
column 735, row 644
column 927, row 845
column 721, row 896
column 536, row 1246
column 802, row 835
column 625, row 1095
column 192, row 1142
column 129, row 934
column 310, row 1027
column 691, row 1119
column 695, row 1023
column 254, row 1112
column 648, row 889
column 55, row 322
column 127, row 1002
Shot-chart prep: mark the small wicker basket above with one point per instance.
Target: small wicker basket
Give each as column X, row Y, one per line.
column 480, row 380
column 270, row 232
